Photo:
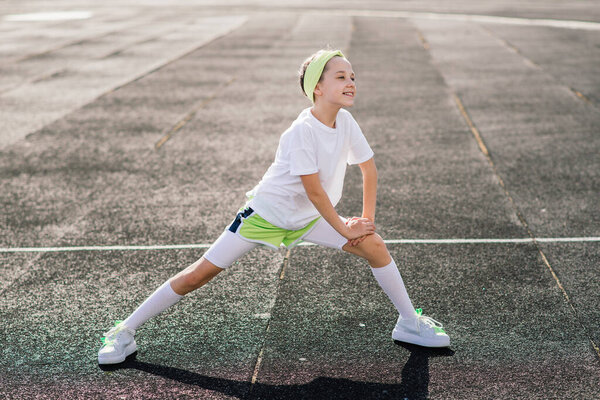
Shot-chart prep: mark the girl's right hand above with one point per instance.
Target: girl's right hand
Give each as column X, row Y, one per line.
column 358, row 227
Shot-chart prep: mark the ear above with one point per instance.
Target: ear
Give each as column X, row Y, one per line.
column 317, row 90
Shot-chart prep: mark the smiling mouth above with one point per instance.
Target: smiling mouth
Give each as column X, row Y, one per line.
column 349, row 94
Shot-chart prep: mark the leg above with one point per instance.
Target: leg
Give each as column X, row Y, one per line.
column 119, row 342
column 224, row 252
column 374, row 250
column 411, row 327
column 194, row 276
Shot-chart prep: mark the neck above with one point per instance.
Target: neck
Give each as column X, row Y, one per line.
column 326, row 113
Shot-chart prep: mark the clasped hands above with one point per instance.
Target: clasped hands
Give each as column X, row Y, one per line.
column 359, row 229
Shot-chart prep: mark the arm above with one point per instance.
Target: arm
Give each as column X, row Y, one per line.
column 369, row 173
column 319, row 198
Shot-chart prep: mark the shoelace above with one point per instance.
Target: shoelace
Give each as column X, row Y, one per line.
column 437, row 326
column 109, row 337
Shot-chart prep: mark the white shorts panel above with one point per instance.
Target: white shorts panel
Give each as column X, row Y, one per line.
column 324, row 234
column 227, row 249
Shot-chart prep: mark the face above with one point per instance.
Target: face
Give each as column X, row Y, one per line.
column 337, row 85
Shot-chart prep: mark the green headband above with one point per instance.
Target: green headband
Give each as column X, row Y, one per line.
column 314, row 71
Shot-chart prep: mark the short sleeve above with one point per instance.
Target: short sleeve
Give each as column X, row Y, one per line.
column 360, row 151
column 302, row 153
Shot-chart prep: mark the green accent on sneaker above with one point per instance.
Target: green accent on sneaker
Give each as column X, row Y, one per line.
column 436, row 329
column 103, row 339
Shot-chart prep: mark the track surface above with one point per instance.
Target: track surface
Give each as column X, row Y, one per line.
column 145, row 124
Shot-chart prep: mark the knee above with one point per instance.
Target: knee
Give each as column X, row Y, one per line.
column 189, row 280
column 376, row 251
column 195, row 275
column 372, row 248
column 373, row 244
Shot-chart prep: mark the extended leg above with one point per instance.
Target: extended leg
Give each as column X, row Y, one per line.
column 119, row 342
column 194, row 276
column 172, row 291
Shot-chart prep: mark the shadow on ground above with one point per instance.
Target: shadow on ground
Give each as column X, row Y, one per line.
column 414, row 383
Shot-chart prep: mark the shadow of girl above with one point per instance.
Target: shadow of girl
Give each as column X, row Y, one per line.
column 414, row 383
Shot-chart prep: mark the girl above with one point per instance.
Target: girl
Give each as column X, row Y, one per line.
column 295, row 202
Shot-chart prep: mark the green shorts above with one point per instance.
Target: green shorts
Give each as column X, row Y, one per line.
column 252, row 227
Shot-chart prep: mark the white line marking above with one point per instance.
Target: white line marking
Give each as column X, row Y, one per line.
column 207, row 245
column 481, row 241
column 102, row 248
column 554, row 23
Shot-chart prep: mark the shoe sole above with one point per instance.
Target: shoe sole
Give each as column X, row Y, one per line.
column 421, row 341
column 107, row 360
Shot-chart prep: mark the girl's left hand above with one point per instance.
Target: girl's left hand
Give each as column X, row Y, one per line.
column 357, row 241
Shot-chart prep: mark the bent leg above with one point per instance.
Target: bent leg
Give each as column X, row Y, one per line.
column 383, row 267
column 323, row 234
column 372, row 249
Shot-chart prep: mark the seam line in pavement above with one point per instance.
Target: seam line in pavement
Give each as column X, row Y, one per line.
column 532, row 64
column 582, row 96
column 281, row 42
column 259, row 359
column 131, row 45
column 76, row 41
column 536, row 242
column 474, row 131
column 171, row 61
column 182, row 122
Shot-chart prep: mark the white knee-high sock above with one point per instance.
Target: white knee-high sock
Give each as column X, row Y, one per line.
column 163, row 298
column 392, row 284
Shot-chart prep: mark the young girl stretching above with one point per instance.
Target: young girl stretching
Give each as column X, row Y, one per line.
column 295, row 202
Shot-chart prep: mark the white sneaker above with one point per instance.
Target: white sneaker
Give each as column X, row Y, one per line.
column 421, row 330
column 118, row 344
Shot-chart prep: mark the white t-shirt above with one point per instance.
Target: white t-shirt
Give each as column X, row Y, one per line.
column 308, row 146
